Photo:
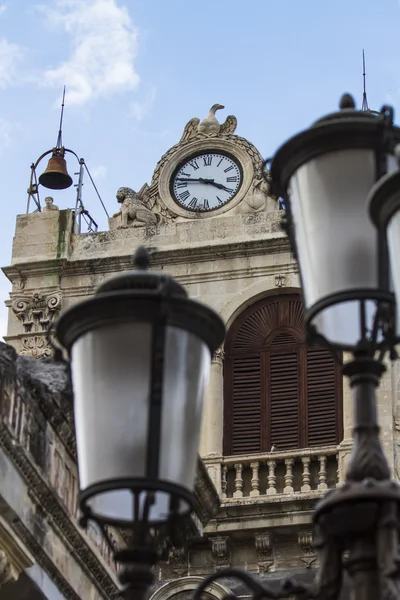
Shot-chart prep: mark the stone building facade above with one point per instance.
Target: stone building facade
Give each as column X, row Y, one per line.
column 277, row 426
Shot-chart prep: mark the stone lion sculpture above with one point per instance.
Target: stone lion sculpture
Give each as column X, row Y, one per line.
column 134, row 211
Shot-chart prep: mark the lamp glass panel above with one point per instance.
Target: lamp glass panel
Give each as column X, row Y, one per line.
column 336, row 242
column 111, row 381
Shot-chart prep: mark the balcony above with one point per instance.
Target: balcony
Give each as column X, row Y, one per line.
column 297, row 473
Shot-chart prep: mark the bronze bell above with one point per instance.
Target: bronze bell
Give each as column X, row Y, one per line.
column 56, row 177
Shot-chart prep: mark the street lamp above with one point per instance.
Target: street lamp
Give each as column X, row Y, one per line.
column 140, row 353
column 327, row 176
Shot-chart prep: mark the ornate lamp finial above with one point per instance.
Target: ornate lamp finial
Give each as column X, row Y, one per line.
column 141, row 259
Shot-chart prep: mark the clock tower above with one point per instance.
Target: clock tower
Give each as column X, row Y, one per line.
column 277, row 421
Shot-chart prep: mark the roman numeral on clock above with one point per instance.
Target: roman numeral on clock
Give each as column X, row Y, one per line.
column 219, row 200
column 194, row 164
column 233, row 178
column 184, row 196
column 207, row 161
column 183, row 184
column 228, row 169
column 206, row 205
column 193, row 203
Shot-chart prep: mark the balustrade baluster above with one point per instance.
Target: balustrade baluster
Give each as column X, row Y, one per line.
column 255, row 481
column 322, row 473
column 224, row 482
column 288, row 489
column 306, row 475
column 271, row 477
column 238, row 493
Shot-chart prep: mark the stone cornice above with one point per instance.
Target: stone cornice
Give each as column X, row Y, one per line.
column 271, row 244
column 208, row 501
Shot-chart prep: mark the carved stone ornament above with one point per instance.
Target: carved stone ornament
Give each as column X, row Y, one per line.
column 7, row 571
column 263, row 544
column 264, row 548
column 220, row 550
column 308, row 555
column 139, row 209
column 280, row 280
column 36, row 346
column 178, row 562
column 36, row 312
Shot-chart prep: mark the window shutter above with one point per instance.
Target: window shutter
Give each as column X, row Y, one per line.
column 246, row 404
column 322, row 404
column 277, row 391
column 283, row 400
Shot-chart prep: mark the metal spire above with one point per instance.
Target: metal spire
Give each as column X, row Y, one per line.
column 364, row 105
column 59, row 138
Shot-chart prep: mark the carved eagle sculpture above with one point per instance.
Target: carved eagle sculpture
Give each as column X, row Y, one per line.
column 209, row 126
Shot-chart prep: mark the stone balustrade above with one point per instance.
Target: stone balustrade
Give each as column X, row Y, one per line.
column 302, row 471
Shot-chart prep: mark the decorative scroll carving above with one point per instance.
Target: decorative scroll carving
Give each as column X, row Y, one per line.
column 305, row 541
column 36, row 312
column 264, row 548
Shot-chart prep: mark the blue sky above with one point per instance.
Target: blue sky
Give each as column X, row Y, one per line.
column 137, row 70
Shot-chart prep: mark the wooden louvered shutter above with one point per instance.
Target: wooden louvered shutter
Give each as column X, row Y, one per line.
column 283, row 394
column 246, row 404
column 322, row 399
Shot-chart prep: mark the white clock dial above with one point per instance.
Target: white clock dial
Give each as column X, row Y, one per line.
column 206, row 181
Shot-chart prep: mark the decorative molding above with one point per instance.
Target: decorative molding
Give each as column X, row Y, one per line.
column 274, row 244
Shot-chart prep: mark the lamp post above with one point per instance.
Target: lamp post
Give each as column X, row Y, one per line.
column 140, row 352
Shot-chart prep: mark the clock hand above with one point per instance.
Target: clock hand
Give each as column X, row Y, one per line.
column 193, row 179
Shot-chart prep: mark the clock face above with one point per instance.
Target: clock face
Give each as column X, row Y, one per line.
column 206, row 181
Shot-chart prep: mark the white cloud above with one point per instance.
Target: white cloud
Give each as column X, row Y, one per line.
column 103, row 48
column 98, row 172
column 8, row 131
column 10, row 56
column 140, row 110
column 3, row 8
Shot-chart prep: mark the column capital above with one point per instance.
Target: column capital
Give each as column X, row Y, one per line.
column 218, row 356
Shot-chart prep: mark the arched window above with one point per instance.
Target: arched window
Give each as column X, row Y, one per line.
column 277, row 391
